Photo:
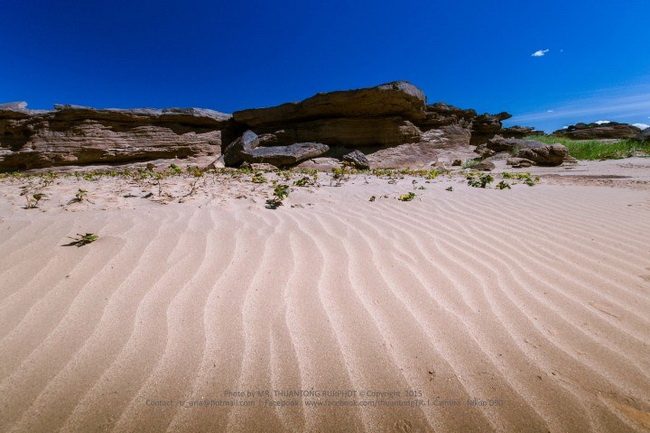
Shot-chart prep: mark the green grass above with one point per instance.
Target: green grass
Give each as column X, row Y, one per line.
column 597, row 149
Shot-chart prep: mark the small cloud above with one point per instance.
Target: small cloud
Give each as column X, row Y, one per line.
column 602, row 122
column 641, row 125
column 539, row 53
column 550, row 111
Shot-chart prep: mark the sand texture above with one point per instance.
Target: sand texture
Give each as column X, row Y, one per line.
column 472, row 310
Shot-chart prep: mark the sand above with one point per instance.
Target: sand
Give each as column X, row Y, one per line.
column 516, row 310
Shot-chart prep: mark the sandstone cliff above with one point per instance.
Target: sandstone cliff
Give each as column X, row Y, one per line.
column 74, row 135
column 391, row 124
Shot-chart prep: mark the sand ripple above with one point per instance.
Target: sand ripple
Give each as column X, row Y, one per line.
column 535, row 300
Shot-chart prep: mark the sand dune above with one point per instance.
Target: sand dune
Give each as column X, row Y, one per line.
column 472, row 310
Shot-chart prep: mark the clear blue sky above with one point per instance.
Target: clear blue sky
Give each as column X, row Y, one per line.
column 251, row 53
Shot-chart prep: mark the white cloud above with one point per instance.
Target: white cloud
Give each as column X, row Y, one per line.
column 539, row 53
column 641, row 125
column 602, row 122
column 549, row 111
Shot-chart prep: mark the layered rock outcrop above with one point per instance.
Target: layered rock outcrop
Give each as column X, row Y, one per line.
column 390, row 124
column 528, row 152
column 593, row 131
column 387, row 126
column 74, row 135
column 375, row 116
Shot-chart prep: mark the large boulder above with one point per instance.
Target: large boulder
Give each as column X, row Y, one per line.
column 543, row 153
column 643, row 136
column 357, row 159
column 398, row 98
column 285, row 155
column 500, row 144
column 74, row 135
column 599, row 130
column 232, row 154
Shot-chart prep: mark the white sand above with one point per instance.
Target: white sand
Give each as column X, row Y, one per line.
column 535, row 300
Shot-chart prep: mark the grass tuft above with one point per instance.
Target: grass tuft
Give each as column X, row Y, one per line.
column 598, row 149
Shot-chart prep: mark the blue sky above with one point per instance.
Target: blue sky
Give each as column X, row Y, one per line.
column 252, row 53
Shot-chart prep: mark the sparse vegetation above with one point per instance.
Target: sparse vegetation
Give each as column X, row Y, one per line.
column 406, row 197
column 280, row 192
column 598, row 149
column 471, row 163
column 79, row 196
column 303, row 181
column 478, row 180
column 503, row 185
column 33, row 199
column 258, row 178
column 81, row 240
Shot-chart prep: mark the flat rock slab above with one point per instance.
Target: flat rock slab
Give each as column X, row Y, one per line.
column 285, row 155
column 398, row 98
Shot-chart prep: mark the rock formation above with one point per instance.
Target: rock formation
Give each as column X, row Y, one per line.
column 391, row 124
column 643, row 136
column 525, row 152
column 73, row 135
column 232, row 154
column 544, row 154
column 592, row 131
column 357, row 159
column 387, row 126
column 284, row 155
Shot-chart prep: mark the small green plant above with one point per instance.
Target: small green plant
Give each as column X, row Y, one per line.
column 32, row 199
column 531, row 181
column 340, row 172
column 174, row 169
column 407, row 197
column 503, row 185
column 195, row 171
column 90, row 176
column 280, row 192
column 258, row 178
column 81, row 240
column 524, row 177
column 310, row 172
column 79, row 196
column 479, row 180
column 432, row 174
column 303, row 181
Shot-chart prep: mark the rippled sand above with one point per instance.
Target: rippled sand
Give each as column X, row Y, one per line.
column 523, row 310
